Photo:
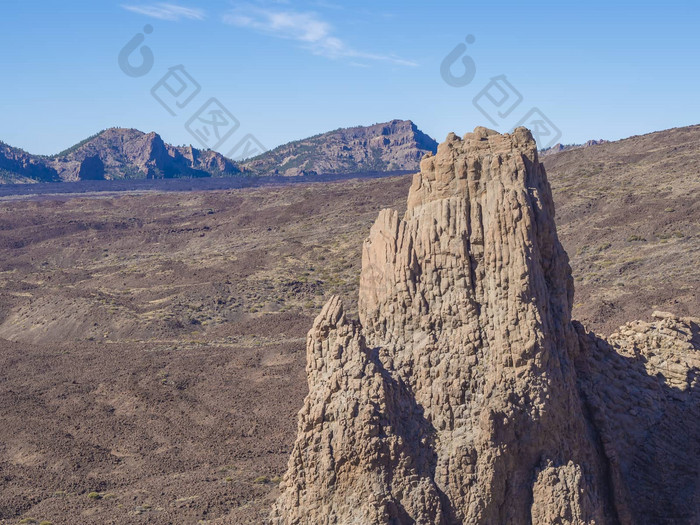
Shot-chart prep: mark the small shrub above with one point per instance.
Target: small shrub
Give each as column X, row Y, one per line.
column 636, row 238
column 261, row 480
column 95, row 495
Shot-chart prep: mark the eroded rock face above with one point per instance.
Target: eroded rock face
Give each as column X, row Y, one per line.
column 360, row 430
column 467, row 394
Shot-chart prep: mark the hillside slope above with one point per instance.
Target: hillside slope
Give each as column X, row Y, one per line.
column 628, row 214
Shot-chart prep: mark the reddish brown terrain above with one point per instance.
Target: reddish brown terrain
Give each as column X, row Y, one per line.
column 152, row 346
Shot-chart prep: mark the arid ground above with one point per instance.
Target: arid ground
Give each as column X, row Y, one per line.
column 152, row 346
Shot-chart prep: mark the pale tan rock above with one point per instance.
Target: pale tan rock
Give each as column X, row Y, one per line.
column 467, row 393
column 363, row 451
column 559, row 495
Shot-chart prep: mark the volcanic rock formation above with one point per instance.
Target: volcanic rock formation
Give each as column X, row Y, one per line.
column 392, row 146
column 466, row 394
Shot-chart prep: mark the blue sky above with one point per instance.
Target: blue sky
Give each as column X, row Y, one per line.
column 289, row 69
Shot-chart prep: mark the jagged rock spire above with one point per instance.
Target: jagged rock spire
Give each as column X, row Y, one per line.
column 458, row 399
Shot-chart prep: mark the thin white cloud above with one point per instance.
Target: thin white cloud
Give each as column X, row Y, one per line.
column 314, row 33
column 165, row 11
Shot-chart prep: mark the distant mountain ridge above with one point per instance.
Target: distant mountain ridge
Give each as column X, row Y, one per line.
column 123, row 153
column 390, row 146
column 559, row 147
column 115, row 153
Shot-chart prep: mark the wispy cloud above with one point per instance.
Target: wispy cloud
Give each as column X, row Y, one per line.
column 314, row 33
column 165, row 11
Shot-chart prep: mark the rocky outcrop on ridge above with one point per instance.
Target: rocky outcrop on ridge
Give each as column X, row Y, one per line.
column 18, row 166
column 392, row 146
column 116, row 153
column 466, row 394
column 129, row 153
